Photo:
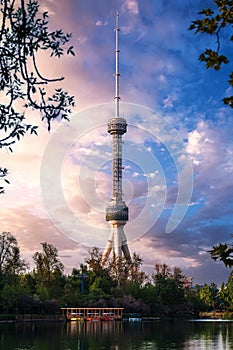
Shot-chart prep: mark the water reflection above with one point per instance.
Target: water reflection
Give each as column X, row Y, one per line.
column 211, row 335
column 161, row 335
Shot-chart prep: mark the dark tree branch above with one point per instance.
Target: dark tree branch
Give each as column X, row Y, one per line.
column 212, row 23
column 23, row 34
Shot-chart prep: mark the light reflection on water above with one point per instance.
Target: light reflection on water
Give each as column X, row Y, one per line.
column 216, row 334
column 158, row 335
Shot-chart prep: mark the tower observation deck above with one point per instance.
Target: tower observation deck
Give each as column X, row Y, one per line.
column 117, row 210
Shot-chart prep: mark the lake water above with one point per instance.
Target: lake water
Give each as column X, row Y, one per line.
column 161, row 335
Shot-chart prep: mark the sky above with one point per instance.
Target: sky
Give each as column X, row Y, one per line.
column 177, row 152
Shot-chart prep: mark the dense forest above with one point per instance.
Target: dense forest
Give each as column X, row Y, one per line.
column 120, row 283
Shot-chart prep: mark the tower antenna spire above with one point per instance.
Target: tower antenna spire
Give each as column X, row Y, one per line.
column 117, row 74
column 117, row 210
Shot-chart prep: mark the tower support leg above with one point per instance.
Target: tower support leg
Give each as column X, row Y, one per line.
column 117, row 242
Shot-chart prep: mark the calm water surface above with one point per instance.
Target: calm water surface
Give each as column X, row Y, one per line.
column 161, row 335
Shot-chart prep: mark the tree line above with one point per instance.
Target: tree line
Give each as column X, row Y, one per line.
column 122, row 283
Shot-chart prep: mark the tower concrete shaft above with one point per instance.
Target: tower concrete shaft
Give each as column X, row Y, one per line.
column 117, row 210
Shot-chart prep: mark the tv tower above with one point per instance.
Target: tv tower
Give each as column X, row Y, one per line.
column 117, row 210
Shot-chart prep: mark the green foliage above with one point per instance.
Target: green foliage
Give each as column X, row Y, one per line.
column 229, row 292
column 7, row 317
column 149, row 296
column 72, row 296
column 206, row 296
column 48, row 271
column 213, row 22
column 94, row 261
column 209, row 294
column 198, row 305
column 8, row 295
column 213, row 59
column 47, row 262
column 101, row 284
column 24, row 36
column 168, row 288
column 42, row 292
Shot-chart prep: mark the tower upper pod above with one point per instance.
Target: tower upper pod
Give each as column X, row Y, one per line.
column 117, row 125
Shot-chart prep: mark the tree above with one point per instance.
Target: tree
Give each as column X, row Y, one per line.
column 49, row 271
column 126, row 272
column 72, row 294
column 222, row 297
column 47, row 262
column 179, row 278
column 100, row 288
column 99, row 281
column 213, row 23
column 8, row 297
column 24, row 36
column 229, row 292
column 169, row 289
column 207, row 294
column 223, row 252
column 193, row 298
column 136, row 275
column 161, row 270
column 94, row 261
column 11, row 262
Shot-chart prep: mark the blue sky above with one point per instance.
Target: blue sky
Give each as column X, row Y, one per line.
column 178, row 145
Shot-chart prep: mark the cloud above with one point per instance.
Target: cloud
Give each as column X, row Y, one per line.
column 100, row 23
column 209, row 220
column 210, row 149
column 131, row 6
column 159, row 69
column 168, row 102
